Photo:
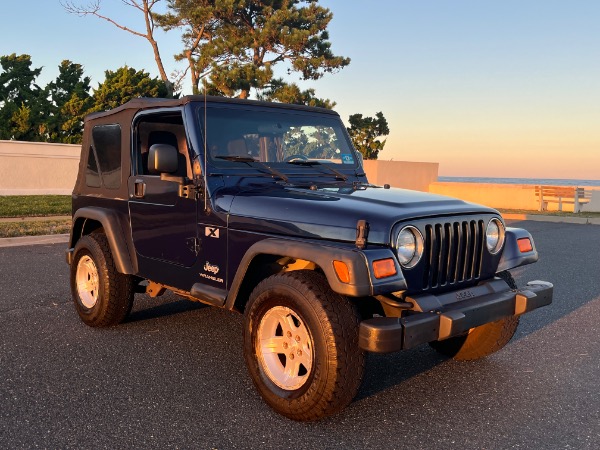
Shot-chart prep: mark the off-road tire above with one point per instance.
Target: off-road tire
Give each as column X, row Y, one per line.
column 483, row 340
column 332, row 322
column 115, row 291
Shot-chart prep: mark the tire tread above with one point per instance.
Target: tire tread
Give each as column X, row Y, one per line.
column 117, row 287
column 344, row 355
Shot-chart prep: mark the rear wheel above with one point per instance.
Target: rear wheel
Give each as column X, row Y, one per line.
column 483, row 340
column 102, row 296
column 301, row 345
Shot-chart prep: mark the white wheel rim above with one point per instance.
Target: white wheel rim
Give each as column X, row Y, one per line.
column 86, row 278
column 284, row 348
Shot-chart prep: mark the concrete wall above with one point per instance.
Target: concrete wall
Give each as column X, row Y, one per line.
column 30, row 168
column 43, row 168
column 402, row 174
column 506, row 196
column 594, row 204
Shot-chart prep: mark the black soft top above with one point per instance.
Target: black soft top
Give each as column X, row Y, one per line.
column 141, row 103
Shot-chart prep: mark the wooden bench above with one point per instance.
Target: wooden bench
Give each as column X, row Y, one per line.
column 562, row 194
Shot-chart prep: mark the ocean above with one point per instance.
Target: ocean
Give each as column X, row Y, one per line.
column 538, row 181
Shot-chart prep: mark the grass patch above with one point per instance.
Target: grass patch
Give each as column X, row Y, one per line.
column 585, row 215
column 35, row 205
column 28, row 228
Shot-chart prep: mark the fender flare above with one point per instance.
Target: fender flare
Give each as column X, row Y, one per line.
column 323, row 254
column 115, row 227
column 512, row 256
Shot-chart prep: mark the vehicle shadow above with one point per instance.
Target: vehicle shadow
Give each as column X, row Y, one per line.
column 568, row 259
column 147, row 308
column 384, row 371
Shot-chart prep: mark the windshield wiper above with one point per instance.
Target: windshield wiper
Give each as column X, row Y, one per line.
column 248, row 160
column 338, row 175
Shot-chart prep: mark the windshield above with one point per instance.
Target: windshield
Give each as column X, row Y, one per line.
column 278, row 138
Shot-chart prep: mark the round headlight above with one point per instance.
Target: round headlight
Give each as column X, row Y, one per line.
column 494, row 236
column 409, row 247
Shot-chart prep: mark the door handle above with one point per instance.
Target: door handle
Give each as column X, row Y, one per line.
column 139, row 189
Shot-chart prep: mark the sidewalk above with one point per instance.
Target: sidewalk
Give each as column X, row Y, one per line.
column 549, row 218
column 34, row 240
column 34, row 219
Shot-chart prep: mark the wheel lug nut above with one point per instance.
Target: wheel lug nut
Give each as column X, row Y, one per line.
column 289, row 334
column 297, row 338
column 285, row 345
column 299, row 352
column 291, row 356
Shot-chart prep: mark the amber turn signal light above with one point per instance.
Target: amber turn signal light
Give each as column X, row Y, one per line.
column 342, row 271
column 524, row 245
column 384, row 268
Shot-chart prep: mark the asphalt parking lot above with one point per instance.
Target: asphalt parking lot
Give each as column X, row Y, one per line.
column 173, row 376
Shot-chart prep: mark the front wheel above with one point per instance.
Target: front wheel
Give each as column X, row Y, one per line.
column 483, row 340
column 301, row 345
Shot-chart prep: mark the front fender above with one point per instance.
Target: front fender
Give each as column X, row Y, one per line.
column 512, row 256
column 359, row 263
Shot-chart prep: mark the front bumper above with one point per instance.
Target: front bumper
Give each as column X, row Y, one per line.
column 451, row 314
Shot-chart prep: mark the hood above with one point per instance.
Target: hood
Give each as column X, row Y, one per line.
column 332, row 213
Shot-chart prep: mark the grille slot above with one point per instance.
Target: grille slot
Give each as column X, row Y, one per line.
column 453, row 252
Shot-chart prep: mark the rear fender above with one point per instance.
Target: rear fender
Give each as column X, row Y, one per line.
column 116, row 228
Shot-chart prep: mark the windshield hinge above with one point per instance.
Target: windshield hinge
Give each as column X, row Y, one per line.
column 362, row 233
column 190, row 191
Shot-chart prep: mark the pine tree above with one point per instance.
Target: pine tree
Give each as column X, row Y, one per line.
column 23, row 105
column 125, row 84
column 244, row 39
column 365, row 133
column 70, row 100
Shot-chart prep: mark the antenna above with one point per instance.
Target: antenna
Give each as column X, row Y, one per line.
column 205, row 153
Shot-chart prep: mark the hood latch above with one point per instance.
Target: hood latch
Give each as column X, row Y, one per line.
column 362, row 233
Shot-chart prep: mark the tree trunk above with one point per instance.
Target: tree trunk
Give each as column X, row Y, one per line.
column 161, row 68
column 154, row 44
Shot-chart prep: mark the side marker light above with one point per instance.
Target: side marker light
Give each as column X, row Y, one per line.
column 342, row 271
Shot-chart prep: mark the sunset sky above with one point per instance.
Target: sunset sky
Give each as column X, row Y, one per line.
column 487, row 89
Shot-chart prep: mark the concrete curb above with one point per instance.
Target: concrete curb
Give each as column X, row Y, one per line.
column 554, row 219
column 34, row 240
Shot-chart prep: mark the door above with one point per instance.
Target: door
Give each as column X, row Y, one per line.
column 163, row 224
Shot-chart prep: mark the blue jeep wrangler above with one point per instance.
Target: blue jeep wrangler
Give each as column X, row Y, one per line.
column 265, row 209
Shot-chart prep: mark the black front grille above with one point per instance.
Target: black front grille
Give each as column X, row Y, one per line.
column 453, row 253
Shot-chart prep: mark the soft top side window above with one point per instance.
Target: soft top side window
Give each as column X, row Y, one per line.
column 104, row 160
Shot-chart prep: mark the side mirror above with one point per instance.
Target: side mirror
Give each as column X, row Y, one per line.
column 162, row 158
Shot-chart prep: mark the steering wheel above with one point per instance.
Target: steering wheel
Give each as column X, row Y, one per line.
column 296, row 157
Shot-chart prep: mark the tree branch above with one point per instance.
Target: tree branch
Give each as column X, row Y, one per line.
column 94, row 10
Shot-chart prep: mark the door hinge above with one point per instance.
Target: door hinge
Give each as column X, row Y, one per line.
column 195, row 245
